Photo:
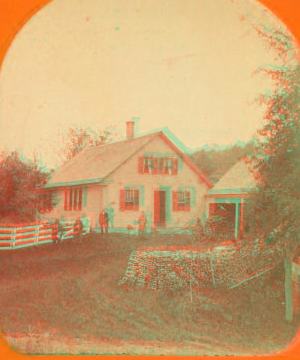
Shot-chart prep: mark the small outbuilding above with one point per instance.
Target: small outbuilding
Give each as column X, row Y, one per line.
column 228, row 196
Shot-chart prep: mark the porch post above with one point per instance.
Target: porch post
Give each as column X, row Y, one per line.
column 242, row 217
column 236, row 220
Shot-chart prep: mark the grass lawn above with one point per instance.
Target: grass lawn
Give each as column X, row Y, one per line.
column 71, row 296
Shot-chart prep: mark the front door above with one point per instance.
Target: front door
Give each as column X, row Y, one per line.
column 159, row 208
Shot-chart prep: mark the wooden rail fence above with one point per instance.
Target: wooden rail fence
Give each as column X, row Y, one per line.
column 15, row 236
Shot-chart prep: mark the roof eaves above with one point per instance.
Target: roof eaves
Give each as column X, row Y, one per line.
column 229, row 191
column 77, row 182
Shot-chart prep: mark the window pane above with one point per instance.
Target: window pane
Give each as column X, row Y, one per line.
column 71, row 199
column 155, row 164
column 75, row 197
column 160, row 164
column 146, row 165
column 183, row 199
column 80, row 198
column 166, row 163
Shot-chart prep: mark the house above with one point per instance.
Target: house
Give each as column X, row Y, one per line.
column 230, row 193
column 150, row 173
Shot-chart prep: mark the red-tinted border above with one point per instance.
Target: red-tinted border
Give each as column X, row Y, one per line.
column 15, row 13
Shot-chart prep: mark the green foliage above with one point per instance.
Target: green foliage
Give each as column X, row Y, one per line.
column 216, row 162
column 212, row 231
column 21, row 191
column 274, row 206
column 78, row 137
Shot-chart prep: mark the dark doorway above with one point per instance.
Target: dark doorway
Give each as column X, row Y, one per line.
column 159, row 208
column 224, row 218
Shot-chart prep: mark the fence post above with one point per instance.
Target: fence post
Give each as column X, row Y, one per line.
column 38, row 234
column 288, row 285
column 14, row 237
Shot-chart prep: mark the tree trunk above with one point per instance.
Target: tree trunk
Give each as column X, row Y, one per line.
column 288, row 286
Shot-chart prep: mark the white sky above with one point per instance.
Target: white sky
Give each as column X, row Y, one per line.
column 187, row 64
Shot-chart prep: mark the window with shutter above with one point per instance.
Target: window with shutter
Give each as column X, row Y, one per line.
column 73, row 198
column 129, row 198
column 184, row 199
column 158, row 164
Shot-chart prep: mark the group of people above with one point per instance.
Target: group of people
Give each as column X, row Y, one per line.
column 84, row 228
column 106, row 217
column 106, row 220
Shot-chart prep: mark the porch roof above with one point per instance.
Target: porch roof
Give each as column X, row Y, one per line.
column 238, row 180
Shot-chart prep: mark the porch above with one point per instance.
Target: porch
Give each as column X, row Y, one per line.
column 229, row 208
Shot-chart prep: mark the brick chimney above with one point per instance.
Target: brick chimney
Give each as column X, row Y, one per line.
column 130, row 128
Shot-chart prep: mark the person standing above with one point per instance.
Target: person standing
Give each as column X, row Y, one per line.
column 85, row 226
column 106, row 219
column 60, row 230
column 142, row 223
column 111, row 216
column 148, row 220
column 102, row 221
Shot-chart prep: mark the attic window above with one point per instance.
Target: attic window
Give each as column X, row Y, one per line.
column 158, row 164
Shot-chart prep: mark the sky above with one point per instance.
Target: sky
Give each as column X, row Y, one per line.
column 185, row 64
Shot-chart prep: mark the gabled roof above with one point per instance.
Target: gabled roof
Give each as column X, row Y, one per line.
column 95, row 164
column 238, row 180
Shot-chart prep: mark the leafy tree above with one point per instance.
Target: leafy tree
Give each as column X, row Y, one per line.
column 77, row 137
column 274, row 206
column 216, row 162
column 21, row 193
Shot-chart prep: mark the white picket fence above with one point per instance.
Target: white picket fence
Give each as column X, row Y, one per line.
column 15, row 236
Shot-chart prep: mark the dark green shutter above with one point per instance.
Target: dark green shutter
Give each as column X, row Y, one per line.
column 142, row 195
column 85, row 195
column 169, row 204
column 180, row 163
column 193, row 196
